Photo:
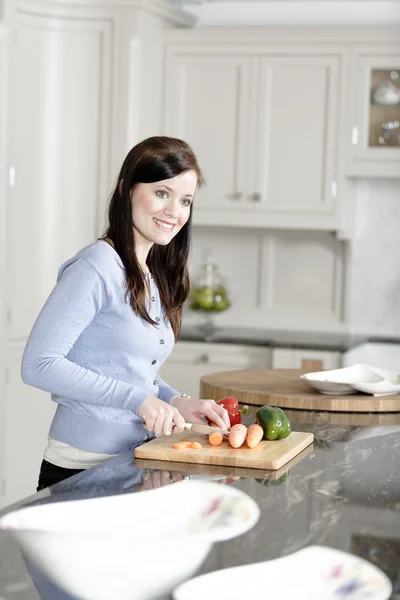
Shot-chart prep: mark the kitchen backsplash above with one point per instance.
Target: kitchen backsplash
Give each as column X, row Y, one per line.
column 276, row 278
column 374, row 288
column 311, row 280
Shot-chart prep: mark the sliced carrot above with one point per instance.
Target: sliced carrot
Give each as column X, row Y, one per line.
column 254, row 435
column 196, row 445
column 215, row 438
column 179, row 445
column 237, row 435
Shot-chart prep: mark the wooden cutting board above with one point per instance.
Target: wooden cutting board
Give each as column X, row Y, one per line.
column 284, row 388
column 216, row 470
column 267, row 455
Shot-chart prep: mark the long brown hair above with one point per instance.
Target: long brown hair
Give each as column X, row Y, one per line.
column 153, row 159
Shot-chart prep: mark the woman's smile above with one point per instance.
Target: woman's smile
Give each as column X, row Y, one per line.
column 164, row 225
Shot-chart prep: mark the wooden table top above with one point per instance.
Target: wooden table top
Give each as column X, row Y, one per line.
column 284, row 388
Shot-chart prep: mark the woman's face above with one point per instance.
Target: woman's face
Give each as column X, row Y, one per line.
column 161, row 209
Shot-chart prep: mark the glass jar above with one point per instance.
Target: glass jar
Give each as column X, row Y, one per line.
column 208, row 290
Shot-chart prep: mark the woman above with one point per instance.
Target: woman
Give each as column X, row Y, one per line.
column 113, row 317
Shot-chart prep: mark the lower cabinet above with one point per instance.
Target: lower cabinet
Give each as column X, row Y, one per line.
column 28, row 414
column 189, row 361
column 307, row 360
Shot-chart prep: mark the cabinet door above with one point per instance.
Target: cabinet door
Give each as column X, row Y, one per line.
column 375, row 132
column 207, row 104
column 190, row 361
column 28, row 414
column 297, row 135
column 3, row 187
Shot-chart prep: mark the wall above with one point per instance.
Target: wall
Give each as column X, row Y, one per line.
column 276, row 278
column 309, row 280
column 374, row 291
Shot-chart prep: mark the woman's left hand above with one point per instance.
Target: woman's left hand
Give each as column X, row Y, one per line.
column 192, row 409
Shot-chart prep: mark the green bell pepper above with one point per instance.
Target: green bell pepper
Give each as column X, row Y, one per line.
column 275, row 423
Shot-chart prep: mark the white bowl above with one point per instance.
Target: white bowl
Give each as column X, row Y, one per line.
column 130, row 547
column 349, row 379
column 313, row 573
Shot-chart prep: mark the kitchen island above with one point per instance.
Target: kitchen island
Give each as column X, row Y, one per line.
column 344, row 492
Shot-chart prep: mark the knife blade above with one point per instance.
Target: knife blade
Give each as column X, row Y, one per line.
column 197, row 428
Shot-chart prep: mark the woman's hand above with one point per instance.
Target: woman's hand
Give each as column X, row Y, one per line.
column 160, row 417
column 192, row 409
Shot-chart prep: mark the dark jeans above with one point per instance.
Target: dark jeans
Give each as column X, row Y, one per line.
column 50, row 474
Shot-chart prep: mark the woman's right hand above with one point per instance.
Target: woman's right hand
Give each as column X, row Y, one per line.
column 160, row 417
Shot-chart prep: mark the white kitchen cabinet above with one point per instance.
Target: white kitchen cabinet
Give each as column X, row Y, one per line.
column 305, row 359
column 4, row 53
column 208, row 104
column 189, row 361
column 374, row 131
column 295, row 154
column 265, row 127
column 28, row 414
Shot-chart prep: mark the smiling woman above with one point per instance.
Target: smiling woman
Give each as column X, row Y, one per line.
column 112, row 319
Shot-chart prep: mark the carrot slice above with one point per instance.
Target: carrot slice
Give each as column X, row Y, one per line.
column 196, row 445
column 179, row 445
column 215, row 438
column 254, row 435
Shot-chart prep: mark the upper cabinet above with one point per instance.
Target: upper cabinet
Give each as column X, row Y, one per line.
column 208, row 103
column 265, row 126
column 375, row 132
column 293, row 160
column 280, row 119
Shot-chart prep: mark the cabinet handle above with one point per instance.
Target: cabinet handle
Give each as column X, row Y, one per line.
column 203, row 358
column 256, row 197
column 234, row 196
column 334, row 189
column 354, row 136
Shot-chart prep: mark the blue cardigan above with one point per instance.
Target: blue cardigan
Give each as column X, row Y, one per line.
column 96, row 357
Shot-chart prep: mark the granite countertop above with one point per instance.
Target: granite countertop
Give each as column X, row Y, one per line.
column 340, row 342
column 343, row 493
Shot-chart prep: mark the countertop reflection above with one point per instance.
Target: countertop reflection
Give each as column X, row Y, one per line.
column 342, row 492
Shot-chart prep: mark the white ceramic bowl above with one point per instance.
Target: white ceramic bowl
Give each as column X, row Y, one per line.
column 130, row 547
column 313, row 573
column 349, row 379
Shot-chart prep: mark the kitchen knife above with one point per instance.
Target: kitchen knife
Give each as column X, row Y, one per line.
column 197, row 428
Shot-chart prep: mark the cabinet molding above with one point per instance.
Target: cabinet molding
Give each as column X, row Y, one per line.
column 260, row 37
column 160, row 8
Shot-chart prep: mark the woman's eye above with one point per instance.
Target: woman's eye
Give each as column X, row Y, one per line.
column 186, row 202
column 162, row 194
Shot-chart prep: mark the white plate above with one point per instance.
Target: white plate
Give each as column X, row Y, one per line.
column 136, row 546
column 349, row 380
column 313, row 573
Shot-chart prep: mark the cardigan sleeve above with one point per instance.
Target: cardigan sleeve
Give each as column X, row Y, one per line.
column 73, row 304
column 165, row 391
